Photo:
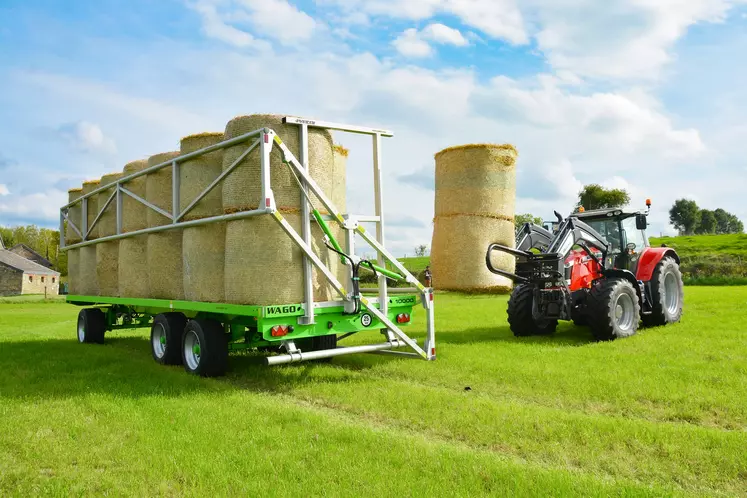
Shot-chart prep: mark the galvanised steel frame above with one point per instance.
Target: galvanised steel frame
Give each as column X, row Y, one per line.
column 266, row 139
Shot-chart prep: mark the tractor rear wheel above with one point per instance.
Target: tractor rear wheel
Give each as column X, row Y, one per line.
column 614, row 310
column 667, row 294
column 520, row 317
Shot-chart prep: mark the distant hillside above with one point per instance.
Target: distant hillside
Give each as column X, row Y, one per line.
column 706, row 259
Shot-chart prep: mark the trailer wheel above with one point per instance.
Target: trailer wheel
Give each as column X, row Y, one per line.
column 520, row 317
column 166, row 338
column 667, row 294
column 614, row 310
column 91, row 326
column 205, row 348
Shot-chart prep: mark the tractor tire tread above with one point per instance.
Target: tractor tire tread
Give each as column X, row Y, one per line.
column 520, row 319
column 659, row 315
column 598, row 306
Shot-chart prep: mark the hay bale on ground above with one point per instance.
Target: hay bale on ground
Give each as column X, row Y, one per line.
column 164, row 248
column 133, row 251
column 107, row 253
column 87, row 275
column 258, row 253
column 203, row 247
column 73, row 255
column 474, row 205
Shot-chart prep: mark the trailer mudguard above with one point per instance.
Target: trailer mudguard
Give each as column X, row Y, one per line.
column 650, row 257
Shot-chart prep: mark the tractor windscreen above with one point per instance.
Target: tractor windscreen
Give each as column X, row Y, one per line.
column 610, row 230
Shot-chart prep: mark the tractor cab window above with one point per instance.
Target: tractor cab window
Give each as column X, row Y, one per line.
column 610, row 231
column 633, row 235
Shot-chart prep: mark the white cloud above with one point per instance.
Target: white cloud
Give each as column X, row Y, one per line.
column 410, row 44
column 4, row 189
column 36, row 206
column 440, row 33
column 277, row 19
column 86, row 137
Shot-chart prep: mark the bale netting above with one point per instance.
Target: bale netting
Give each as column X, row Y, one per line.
column 107, row 253
column 474, row 206
column 164, row 248
column 133, row 251
column 87, row 275
column 262, row 264
column 203, row 247
column 71, row 237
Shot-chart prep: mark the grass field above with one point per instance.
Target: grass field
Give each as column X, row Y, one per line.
column 662, row 413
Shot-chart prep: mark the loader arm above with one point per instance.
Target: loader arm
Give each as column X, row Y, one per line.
column 532, row 236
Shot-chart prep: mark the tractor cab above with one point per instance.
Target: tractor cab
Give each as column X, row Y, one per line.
column 624, row 231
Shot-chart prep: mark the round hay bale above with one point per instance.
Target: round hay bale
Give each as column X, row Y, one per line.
column 203, row 250
column 87, row 275
column 242, row 189
column 198, row 173
column 165, row 279
column 74, row 214
column 264, row 267
column 133, row 267
column 474, row 205
column 338, row 195
column 134, row 213
column 203, row 247
column 73, row 255
column 107, row 253
column 133, row 251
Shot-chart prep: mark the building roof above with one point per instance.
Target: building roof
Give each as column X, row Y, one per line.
column 37, row 258
column 19, row 262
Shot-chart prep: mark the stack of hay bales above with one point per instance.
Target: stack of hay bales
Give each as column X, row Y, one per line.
column 203, row 247
column 475, row 198
column 87, row 275
column 71, row 237
column 107, row 253
column 133, row 251
column 262, row 265
column 164, row 248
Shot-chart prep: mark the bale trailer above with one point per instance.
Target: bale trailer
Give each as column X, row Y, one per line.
column 200, row 335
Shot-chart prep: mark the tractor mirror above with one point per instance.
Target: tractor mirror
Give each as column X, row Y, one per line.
column 640, row 222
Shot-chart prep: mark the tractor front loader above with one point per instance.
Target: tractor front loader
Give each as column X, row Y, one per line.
column 596, row 269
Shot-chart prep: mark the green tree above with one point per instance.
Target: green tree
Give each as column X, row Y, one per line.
column 735, row 225
column 708, row 222
column 421, row 250
column 597, row 197
column 42, row 240
column 684, row 216
column 520, row 219
column 722, row 220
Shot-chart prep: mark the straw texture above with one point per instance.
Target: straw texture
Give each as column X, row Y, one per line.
column 87, row 275
column 338, row 193
column 133, row 251
column 203, row 247
column 73, row 255
column 164, row 248
column 474, row 206
column 242, row 189
column 264, row 267
column 107, row 253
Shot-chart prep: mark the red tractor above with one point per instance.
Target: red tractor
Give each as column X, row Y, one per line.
column 597, row 269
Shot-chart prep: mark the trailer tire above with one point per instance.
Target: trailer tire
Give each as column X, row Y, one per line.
column 614, row 309
column 667, row 294
column 91, row 326
column 205, row 348
column 520, row 318
column 166, row 338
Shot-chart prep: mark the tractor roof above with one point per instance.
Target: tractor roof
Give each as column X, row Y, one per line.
column 604, row 213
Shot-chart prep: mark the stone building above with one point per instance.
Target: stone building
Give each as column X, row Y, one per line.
column 19, row 275
column 26, row 252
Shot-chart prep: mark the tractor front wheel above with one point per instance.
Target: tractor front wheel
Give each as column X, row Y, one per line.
column 520, row 317
column 614, row 310
column 667, row 294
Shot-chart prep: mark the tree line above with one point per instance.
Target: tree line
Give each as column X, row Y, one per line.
column 688, row 219
column 42, row 240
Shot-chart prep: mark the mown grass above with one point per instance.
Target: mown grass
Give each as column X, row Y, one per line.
column 662, row 413
column 706, row 245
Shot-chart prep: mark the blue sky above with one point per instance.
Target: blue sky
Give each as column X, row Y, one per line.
column 647, row 95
